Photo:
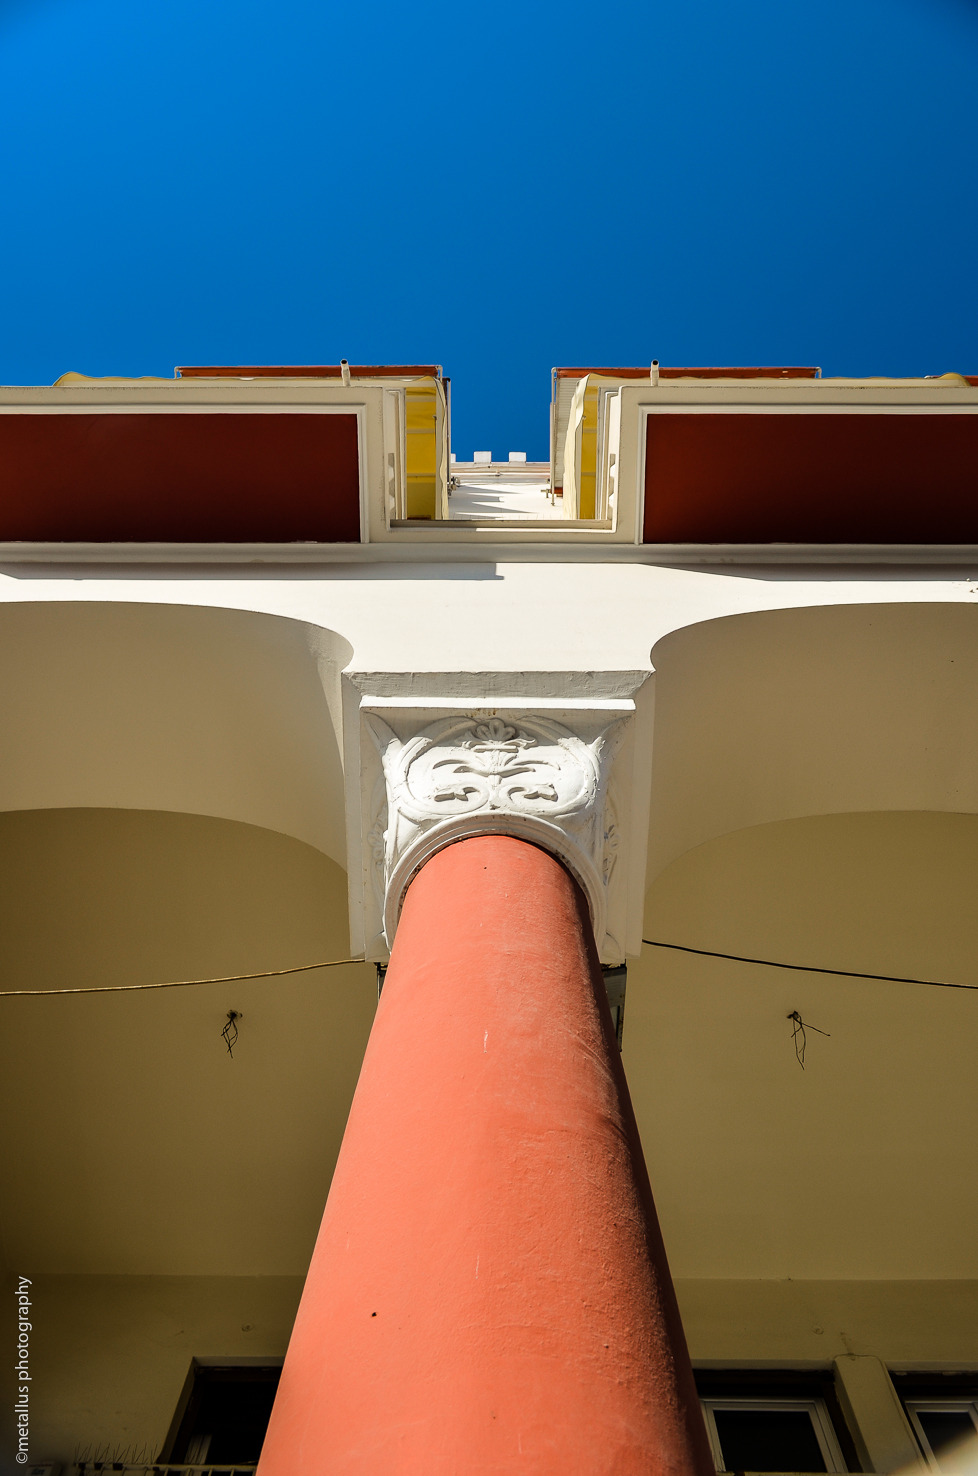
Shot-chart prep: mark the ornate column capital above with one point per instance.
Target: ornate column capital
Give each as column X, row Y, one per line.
column 551, row 773
column 473, row 774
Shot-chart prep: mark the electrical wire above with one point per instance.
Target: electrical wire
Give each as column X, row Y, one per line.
column 770, row 963
column 331, row 963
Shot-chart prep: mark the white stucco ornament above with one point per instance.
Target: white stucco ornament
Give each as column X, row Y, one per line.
column 467, row 774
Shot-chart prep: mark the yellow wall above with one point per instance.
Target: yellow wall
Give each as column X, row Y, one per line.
column 907, row 1324
column 855, row 1168
column 111, row 1353
column 146, row 1149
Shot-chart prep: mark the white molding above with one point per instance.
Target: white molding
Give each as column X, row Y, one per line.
column 556, row 773
column 491, row 546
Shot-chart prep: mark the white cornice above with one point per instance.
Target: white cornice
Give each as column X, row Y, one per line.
column 488, row 545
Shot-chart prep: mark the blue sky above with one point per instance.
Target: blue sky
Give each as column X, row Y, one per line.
column 497, row 188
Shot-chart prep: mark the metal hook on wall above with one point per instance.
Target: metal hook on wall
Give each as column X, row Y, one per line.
column 230, row 1031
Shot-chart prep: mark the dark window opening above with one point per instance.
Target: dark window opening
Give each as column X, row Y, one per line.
column 943, row 1413
column 768, row 1440
column 225, row 1414
column 945, row 1430
column 772, row 1420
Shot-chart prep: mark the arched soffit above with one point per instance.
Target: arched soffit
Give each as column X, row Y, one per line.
column 173, row 707
column 778, row 714
column 812, row 1167
column 113, row 898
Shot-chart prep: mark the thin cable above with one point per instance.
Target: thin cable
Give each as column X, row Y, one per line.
column 770, row 963
column 332, row 963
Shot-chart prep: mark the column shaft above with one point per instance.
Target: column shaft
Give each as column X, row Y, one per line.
column 489, row 1291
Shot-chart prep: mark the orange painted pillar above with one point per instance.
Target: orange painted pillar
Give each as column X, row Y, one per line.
column 489, row 1291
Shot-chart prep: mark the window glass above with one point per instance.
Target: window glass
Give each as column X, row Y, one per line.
column 946, row 1429
column 768, row 1440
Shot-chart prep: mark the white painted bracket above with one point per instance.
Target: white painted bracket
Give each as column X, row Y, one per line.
column 554, row 773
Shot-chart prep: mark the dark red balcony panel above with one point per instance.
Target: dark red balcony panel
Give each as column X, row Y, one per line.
column 825, row 478
column 180, row 478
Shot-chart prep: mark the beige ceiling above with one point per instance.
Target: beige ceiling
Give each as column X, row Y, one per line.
column 136, row 1145
column 864, row 1164
column 134, row 1142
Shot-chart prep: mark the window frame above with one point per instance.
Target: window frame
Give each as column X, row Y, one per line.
column 815, row 1408
column 934, row 1389
column 947, row 1405
column 181, row 1435
column 777, row 1385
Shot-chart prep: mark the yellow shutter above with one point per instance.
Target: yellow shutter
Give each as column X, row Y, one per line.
column 420, row 415
column 587, row 474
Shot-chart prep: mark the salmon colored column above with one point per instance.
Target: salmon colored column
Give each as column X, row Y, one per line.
column 489, row 1291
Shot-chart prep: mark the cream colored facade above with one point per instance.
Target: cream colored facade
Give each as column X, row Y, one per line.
column 183, row 795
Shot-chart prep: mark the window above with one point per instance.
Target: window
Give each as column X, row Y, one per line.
column 943, row 1412
column 223, row 1414
column 774, row 1422
column 943, row 1426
